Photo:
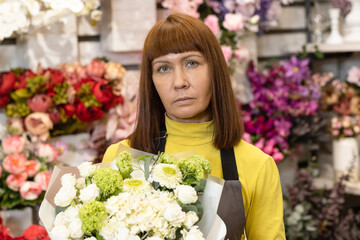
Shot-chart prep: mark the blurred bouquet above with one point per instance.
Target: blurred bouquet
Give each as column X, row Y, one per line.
column 24, row 171
column 345, row 126
column 283, row 94
column 109, row 203
column 17, row 16
column 315, row 214
column 33, row 232
column 63, row 101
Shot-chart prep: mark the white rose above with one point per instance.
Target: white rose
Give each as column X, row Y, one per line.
column 194, row 234
column 75, row 228
column 68, row 180
column 186, row 194
column 61, row 231
column 89, row 193
column 80, row 183
column 174, row 214
column 107, row 231
column 65, row 195
column 190, row 219
column 90, row 238
column 72, row 212
column 86, row 169
column 234, row 22
column 60, row 219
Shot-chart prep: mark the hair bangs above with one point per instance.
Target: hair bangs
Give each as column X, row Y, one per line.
column 171, row 37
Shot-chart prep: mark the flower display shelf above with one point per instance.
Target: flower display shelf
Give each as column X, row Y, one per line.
column 327, row 184
column 329, row 48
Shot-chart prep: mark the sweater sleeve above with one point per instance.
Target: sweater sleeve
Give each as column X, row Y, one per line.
column 265, row 215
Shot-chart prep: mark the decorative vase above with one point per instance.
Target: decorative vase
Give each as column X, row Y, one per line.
column 352, row 23
column 334, row 37
column 345, row 157
column 17, row 220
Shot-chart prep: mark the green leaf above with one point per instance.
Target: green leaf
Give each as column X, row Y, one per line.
column 188, row 208
column 59, row 209
column 200, row 208
column 99, row 237
column 155, row 185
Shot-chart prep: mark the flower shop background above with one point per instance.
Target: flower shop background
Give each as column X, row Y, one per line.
column 118, row 37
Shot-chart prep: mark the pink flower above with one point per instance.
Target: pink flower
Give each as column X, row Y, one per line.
column 335, row 132
column 95, row 69
column 15, row 126
column 213, row 23
column 39, row 124
column 242, row 54
column 61, row 148
column 30, row 190
column 12, row 145
column 354, row 75
column 260, row 143
column 15, row 181
column 227, row 51
column 47, row 151
column 348, row 132
column 0, row 171
column 32, row 167
column 278, row 156
column 39, row 103
column 234, row 22
column 247, row 137
column 43, row 179
column 15, row 163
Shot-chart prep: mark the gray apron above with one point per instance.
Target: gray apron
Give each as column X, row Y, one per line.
column 231, row 205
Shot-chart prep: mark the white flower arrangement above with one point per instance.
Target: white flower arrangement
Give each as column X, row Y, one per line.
column 18, row 16
column 108, row 203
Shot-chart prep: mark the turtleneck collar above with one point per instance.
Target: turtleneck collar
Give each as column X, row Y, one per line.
column 189, row 133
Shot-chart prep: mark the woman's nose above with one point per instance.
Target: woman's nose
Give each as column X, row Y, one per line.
column 180, row 79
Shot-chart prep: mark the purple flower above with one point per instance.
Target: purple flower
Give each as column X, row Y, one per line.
column 296, row 69
column 283, row 126
column 61, row 148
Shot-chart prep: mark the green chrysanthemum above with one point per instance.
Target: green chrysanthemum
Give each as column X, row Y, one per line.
column 124, row 164
column 166, row 158
column 136, row 185
column 168, row 175
column 108, row 180
column 195, row 166
column 92, row 216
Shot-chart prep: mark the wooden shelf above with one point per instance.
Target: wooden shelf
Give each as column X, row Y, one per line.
column 325, row 183
column 330, row 48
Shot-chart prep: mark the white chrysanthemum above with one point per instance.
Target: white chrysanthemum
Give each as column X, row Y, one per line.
column 136, row 185
column 168, row 175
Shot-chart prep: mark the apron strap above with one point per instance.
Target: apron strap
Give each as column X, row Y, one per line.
column 231, row 205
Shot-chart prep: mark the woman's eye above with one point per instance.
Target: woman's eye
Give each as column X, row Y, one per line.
column 192, row 63
column 163, row 69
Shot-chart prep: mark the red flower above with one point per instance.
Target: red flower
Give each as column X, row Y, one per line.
column 77, row 86
column 4, row 100
column 115, row 101
column 4, row 232
column 39, row 103
column 56, row 76
column 103, row 93
column 7, row 82
column 36, row 232
column 55, row 116
column 88, row 114
column 21, row 80
column 70, row 110
column 95, row 69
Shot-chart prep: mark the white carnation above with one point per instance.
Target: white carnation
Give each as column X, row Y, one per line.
column 61, row 231
column 65, row 195
column 190, row 219
column 68, row 180
column 186, row 194
column 87, row 169
column 89, row 193
column 174, row 214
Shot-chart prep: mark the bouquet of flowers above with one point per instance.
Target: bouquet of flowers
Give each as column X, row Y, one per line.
column 18, row 16
column 24, row 171
column 64, row 100
column 283, row 93
column 345, row 126
column 130, row 200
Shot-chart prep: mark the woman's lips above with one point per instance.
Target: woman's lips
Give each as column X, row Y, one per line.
column 184, row 101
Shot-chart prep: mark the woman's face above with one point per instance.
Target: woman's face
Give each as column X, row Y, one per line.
column 184, row 86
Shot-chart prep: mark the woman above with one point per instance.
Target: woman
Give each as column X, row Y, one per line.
column 186, row 102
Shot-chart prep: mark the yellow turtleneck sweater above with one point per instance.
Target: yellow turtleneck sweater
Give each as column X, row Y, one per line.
column 258, row 175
